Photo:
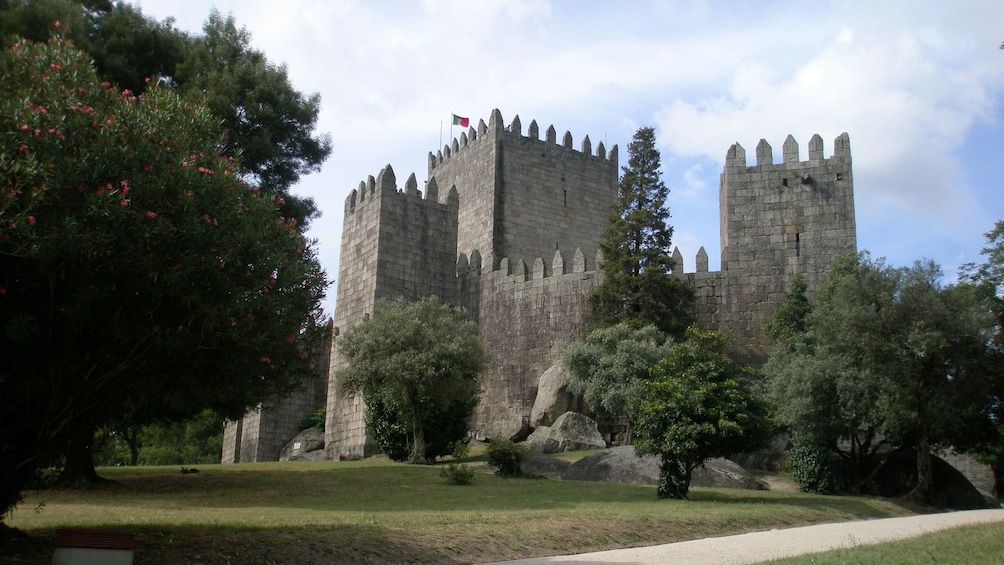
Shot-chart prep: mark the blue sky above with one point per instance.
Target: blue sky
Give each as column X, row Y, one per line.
column 918, row 86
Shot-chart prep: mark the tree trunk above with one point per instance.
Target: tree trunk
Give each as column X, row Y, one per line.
column 418, row 434
column 131, row 435
column 78, row 465
column 924, row 479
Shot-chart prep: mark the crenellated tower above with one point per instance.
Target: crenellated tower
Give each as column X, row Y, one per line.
column 512, row 200
column 777, row 220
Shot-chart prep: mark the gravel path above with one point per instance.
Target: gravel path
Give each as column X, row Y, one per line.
column 775, row 544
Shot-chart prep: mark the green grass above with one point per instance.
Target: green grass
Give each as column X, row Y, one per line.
column 965, row 545
column 375, row 511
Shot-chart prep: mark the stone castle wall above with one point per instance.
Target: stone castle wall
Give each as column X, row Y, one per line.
column 527, row 315
column 508, row 227
column 778, row 220
column 262, row 433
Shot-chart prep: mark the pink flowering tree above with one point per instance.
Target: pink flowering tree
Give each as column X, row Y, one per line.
column 139, row 276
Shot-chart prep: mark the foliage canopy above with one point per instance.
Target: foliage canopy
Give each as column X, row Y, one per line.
column 413, row 358
column 638, row 286
column 138, row 273
column 610, row 367
column 698, row 405
column 889, row 356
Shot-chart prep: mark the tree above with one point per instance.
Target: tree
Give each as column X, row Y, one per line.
column 637, row 286
column 988, row 277
column 266, row 121
column 416, row 357
column 138, row 273
column 890, row 356
column 698, row 405
column 442, row 427
column 610, row 367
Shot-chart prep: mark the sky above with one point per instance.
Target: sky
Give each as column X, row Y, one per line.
column 918, row 85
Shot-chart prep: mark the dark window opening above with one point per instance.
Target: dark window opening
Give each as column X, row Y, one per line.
column 798, row 246
column 565, row 196
column 784, row 182
column 840, row 176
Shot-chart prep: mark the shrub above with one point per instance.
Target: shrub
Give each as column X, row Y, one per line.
column 314, row 420
column 810, row 468
column 507, row 458
column 392, row 433
column 458, row 474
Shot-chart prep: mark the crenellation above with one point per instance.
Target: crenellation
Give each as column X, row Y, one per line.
column 790, row 150
column 816, row 148
column 764, row 153
column 514, row 201
column 411, row 186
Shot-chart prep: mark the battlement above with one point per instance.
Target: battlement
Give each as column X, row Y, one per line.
column 496, row 129
column 523, row 271
column 736, row 155
column 386, row 182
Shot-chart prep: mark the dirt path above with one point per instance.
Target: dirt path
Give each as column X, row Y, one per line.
column 774, row 544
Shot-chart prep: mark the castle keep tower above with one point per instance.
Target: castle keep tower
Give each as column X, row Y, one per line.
column 496, row 201
column 778, row 220
column 508, row 226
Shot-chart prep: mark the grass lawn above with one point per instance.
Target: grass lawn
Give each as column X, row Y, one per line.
column 982, row 543
column 376, row 511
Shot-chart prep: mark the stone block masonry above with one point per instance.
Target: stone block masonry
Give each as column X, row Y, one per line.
column 508, row 226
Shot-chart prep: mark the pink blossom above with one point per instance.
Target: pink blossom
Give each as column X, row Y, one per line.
column 266, row 360
column 57, row 25
column 150, row 214
column 105, row 84
column 31, row 220
column 24, row 127
column 123, row 202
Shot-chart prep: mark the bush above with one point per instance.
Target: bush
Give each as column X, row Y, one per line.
column 314, row 420
column 810, row 468
column 507, row 458
column 458, row 474
column 392, row 433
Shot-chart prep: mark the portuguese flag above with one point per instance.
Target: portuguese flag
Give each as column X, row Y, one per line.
column 462, row 122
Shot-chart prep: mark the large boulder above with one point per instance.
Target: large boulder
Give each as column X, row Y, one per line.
column 623, row 465
column 571, row 432
column 507, row 426
column 553, row 397
column 309, row 440
column 545, row 466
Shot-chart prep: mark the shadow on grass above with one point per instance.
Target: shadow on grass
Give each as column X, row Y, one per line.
column 226, row 545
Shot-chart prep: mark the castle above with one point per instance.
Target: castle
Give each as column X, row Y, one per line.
column 507, row 226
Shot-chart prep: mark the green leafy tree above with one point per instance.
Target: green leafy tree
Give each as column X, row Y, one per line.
column 443, row 426
column 138, row 273
column 610, row 367
column 268, row 122
column 698, row 405
column 638, row 286
column 419, row 357
column 265, row 121
column 891, row 357
column 988, row 277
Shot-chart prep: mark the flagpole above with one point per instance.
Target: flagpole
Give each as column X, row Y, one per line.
column 451, row 127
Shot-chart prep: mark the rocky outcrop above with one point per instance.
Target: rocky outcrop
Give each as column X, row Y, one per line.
column 553, row 397
column 571, row 432
column 505, row 426
column 544, row 466
column 309, row 441
column 623, row 465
